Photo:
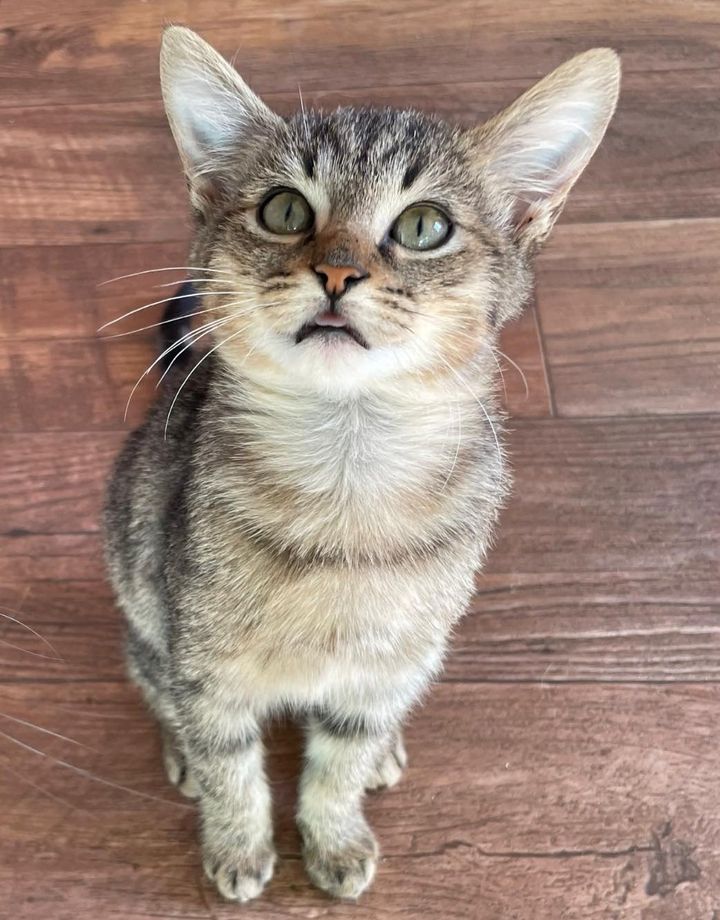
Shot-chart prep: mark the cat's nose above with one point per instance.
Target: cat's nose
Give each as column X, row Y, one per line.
column 336, row 279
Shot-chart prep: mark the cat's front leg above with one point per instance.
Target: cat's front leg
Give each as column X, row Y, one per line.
column 344, row 756
column 225, row 757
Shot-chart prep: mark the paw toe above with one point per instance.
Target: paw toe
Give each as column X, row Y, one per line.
column 390, row 769
column 178, row 773
column 242, row 879
column 346, row 873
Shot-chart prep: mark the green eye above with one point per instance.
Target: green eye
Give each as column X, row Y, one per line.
column 422, row 226
column 286, row 212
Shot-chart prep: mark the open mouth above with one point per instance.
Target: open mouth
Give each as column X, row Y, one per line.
column 330, row 326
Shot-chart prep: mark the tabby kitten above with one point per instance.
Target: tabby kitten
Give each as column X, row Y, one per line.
column 297, row 524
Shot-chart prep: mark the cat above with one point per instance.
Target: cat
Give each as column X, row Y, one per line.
column 297, row 524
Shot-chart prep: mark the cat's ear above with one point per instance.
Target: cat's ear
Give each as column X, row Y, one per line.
column 533, row 152
column 211, row 110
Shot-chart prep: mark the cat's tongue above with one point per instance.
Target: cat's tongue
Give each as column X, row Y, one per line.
column 330, row 319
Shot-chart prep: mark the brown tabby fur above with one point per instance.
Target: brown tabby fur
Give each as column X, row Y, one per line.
column 298, row 523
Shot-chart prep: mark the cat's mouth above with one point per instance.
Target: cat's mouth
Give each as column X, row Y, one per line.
column 330, row 326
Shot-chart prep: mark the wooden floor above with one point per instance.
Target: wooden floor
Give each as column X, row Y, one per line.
column 568, row 763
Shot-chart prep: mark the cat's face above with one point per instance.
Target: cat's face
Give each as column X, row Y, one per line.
column 360, row 248
column 366, row 245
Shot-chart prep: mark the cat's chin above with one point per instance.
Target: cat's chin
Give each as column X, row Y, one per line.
column 330, row 364
column 324, row 338
column 334, row 365
column 338, row 335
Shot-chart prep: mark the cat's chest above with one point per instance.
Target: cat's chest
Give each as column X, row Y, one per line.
column 354, row 476
column 319, row 630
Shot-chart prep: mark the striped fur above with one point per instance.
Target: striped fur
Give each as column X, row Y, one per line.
column 297, row 526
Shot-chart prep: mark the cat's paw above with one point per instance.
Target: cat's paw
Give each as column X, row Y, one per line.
column 243, row 877
column 177, row 770
column 345, row 871
column 388, row 772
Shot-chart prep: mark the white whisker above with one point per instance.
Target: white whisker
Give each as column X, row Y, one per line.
column 211, row 327
column 200, row 333
column 184, row 338
column 185, row 281
column 495, row 350
column 457, row 449
column 517, row 368
column 190, row 337
column 155, row 303
column 171, row 268
column 162, row 322
column 157, row 360
column 88, row 775
column 497, row 364
column 41, row 789
column 45, row 731
column 175, row 319
column 27, row 651
column 47, row 642
column 192, row 371
column 479, row 402
column 304, row 117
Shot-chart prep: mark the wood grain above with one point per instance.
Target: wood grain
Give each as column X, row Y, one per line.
column 63, row 385
column 110, row 52
column 630, row 317
column 62, row 292
column 623, row 498
column 559, row 802
column 566, row 766
column 53, row 483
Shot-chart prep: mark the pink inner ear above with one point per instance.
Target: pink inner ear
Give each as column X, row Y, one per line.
column 525, row 213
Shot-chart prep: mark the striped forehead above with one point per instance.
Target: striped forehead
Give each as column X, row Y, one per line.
column 355, row 157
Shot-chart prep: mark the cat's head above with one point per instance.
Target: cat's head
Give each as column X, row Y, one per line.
column 361, row 245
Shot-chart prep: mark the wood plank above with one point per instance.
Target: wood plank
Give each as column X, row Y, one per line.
column 550, row 635
column 11, row 417
column 85, row 173
column 60, row 630
column 607, row 566
column 63, row 385
column 110, row 52
column 560, row 802
column 623, row 501
column 53, row 483
column 629, row 317
column 60, row 291
column 28, row 557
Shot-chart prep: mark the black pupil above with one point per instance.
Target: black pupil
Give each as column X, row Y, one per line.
column 288, row 211
column 419, row 228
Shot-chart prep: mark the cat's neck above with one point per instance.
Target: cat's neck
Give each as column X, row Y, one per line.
column 395, row 433
column 362, row 477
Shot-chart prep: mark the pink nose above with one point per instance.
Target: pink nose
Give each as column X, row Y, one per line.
column 337, row 278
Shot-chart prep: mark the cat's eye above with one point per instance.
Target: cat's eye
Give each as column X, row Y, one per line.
column 421, row 227
column 286, row 212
